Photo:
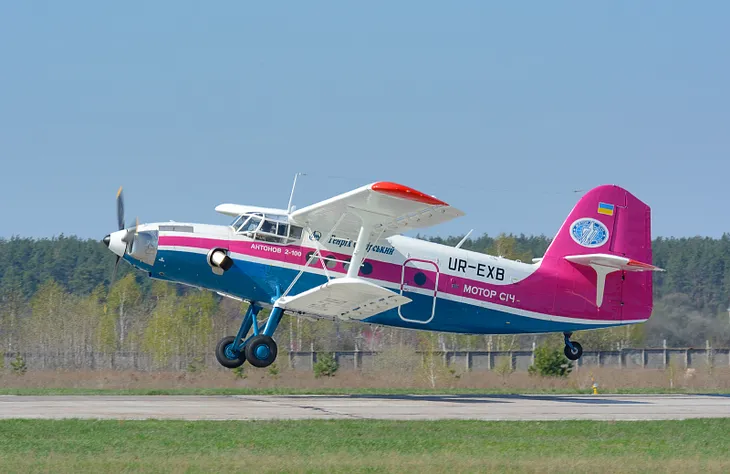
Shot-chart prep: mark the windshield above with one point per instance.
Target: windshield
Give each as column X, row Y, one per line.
column 250, row 225
column 236, row 222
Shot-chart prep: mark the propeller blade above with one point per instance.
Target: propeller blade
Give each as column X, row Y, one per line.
column 114, row 273
column 131, row 233
column 120, row 209
column 129, row 236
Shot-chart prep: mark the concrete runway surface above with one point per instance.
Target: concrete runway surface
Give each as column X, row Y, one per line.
column 392, row 407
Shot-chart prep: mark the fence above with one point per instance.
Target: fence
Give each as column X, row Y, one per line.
column 521, row 360
column 680, row 358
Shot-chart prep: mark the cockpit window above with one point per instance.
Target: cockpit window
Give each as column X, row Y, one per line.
column 250, row 225
column 269, row 232
column 268, row 228
column 237, row 222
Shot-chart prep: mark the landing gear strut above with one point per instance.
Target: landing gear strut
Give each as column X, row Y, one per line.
column 573, row 350
column 259, row 350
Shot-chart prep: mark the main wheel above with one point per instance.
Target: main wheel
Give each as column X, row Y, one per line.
column 575, row 352
column 227, row 356
column 261, row 351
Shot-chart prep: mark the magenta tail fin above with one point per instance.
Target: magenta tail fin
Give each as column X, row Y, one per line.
column 596, row 255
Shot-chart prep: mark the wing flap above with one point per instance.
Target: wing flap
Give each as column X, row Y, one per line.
column 344, row 298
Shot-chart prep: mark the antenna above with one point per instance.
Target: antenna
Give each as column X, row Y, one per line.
column 458, row 246
column 291, row 196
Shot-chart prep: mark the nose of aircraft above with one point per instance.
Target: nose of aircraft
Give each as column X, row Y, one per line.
column 114, row 242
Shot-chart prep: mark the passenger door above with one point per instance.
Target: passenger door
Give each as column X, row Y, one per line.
column 419, row 281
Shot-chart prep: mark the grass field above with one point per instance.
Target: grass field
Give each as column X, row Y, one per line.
column 262, row 382
column 390, row 380
column 363, row 446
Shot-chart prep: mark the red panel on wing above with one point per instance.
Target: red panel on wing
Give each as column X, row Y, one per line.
column 404, row 192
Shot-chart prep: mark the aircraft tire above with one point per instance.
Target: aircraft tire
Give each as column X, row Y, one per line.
column 574, row 354
column 261, row 351
column 224, row 356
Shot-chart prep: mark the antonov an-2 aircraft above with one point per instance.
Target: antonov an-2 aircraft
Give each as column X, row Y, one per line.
column 345, row 258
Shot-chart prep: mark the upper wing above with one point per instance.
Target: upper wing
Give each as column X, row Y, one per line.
column 235, row 210
column 390, row 208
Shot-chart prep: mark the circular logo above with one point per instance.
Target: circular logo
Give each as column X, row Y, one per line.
column 589, row 232
column 316, row 235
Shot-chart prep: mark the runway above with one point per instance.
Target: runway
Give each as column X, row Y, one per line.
column 384, row 407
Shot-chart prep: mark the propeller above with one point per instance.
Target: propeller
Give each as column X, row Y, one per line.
column 128, row 238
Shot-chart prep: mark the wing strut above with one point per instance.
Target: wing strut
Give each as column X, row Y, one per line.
column 361, row 246
column 368, row 224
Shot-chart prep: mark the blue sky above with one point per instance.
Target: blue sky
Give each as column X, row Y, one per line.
column 502, row 109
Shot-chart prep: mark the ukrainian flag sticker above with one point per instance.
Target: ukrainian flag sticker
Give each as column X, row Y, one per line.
column 605, row 209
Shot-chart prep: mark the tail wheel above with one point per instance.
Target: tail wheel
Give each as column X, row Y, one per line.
column 575, row 352
column 227, row 356
column 261, row 351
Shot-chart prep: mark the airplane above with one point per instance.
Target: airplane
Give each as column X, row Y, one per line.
column 345, row 258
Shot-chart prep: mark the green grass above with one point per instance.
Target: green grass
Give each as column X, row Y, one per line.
column 340, row 391
column 363, row 446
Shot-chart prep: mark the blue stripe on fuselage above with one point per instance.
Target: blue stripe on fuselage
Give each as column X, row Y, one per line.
column 264, row 283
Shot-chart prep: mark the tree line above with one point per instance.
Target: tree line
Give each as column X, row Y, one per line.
column 55, row 298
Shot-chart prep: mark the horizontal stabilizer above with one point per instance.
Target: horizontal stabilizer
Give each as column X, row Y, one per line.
column 613, row 261
column 344, row 298
column 605, row 264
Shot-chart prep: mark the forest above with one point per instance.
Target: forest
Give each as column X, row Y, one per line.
column 55, row 297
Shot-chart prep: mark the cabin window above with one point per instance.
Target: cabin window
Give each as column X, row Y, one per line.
column 330, row 261
column 295, row 232
column 309, row 256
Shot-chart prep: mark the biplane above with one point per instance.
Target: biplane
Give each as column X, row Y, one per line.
column 345, row 258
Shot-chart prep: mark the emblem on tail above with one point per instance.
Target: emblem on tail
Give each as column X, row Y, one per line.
column 589, row 232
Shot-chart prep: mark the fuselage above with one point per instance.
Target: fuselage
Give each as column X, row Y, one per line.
column 452, row 289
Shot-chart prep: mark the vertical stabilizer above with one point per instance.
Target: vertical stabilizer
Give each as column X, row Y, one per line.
column 602, row 256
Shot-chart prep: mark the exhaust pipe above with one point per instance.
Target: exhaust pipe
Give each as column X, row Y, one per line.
column 219, row 261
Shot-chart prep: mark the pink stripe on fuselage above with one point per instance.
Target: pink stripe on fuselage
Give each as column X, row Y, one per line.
column 536, row 293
